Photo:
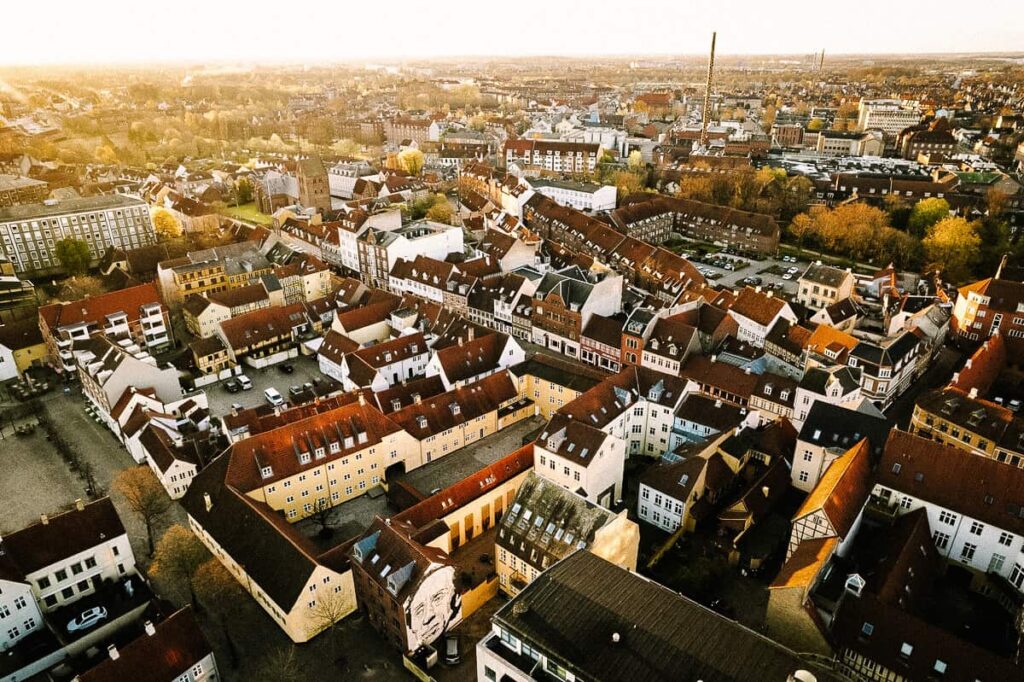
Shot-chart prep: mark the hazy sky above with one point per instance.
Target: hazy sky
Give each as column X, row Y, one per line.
column 73, row 31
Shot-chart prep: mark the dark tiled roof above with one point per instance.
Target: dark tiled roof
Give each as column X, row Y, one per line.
column 949, row 477
column 572, row 611
column 176, row 645
column 63, row 535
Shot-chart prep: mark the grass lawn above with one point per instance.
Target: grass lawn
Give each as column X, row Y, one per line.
column 249, row 213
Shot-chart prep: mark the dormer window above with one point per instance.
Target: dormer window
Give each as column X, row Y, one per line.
column 421, row 421
column 362, row 437
column 320, row 453
column 335, row 447
column 304, row 458
column 266, row 472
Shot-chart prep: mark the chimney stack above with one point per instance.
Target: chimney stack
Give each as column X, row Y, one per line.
column 112, row 651
column 973, row 393
column 44, row 519
column 150, row 630
column 207, row 501
column 79, row 504
column 362, row 399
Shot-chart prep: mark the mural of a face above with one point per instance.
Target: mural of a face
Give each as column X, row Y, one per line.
column 432, row 608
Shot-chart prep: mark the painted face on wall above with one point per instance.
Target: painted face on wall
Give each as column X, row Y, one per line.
column 435, row 607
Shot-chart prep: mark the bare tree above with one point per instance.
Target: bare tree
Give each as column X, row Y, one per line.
column 179, row 554
column 330, row 609
column 278, row 666
column 321, row 516
column 145, row 496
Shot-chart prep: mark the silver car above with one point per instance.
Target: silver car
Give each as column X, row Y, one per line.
column 86, row 619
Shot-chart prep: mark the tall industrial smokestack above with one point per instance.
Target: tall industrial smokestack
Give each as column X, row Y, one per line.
column 821, row 63
column 707, row 95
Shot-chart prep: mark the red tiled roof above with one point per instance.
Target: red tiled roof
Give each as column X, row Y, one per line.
column 95, row 308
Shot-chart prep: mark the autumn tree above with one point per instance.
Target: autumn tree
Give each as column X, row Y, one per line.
column 996, row 202
column 635, row 161
column 145, row 496
column 178, row 556
column 627, row 183
column 815, row 124
column 243, row 191
column 440, row 210
column 165, row 224
column 411, row 161
column 926, row 213
column 800, row 228
column 106, row 154
column 952, row 247
column 73, row 255
column 219, row 592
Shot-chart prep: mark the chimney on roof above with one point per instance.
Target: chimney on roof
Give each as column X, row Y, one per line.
column 769, row 294
column 148, row 626
column 79, row 504
column 469, row 334
column 362, row 398
column 764, row 490
column 416, row 399
column 44, row 519
column 973, row 394
column 207, row 501
column 616, row 638
column 112, row 652
column 460, row 341
column 758, row 288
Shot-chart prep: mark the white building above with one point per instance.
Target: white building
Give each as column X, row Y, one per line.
column 28, row 233
column 68, row 556
column 828, row 432
column 973, row 503
column 583, row 196
column 891, row 116
column 581, row 458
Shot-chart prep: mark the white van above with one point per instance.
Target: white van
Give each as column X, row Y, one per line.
column 244, row 381
column 273, row 397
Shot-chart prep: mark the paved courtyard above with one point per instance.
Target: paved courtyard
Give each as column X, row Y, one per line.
column 34, row 480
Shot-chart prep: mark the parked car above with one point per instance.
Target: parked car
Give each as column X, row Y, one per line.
column 286, row 368
column 788, row 276
column 232, row 386
column 244, row 381
column 86, row 619
column 273, row 397
column 295, row 390
column 308, row 386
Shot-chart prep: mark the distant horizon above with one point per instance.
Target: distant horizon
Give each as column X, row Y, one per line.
column 122, row 33
column 356, row 62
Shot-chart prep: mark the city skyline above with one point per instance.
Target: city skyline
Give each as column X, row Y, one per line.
column 202, row 32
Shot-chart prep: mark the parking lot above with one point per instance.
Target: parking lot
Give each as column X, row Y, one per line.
column 770, row 270
column 306, row 370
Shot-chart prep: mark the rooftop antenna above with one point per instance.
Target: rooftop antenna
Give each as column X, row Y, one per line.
column 707, row 95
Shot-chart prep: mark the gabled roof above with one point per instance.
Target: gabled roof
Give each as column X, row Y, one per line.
column 176, row 645
column 78, row 530
column 472, row 358
column 94, row 309
column 276, row 556
column 603, row 622
column 946, row 476
column 759, row 307
column 842, row 490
